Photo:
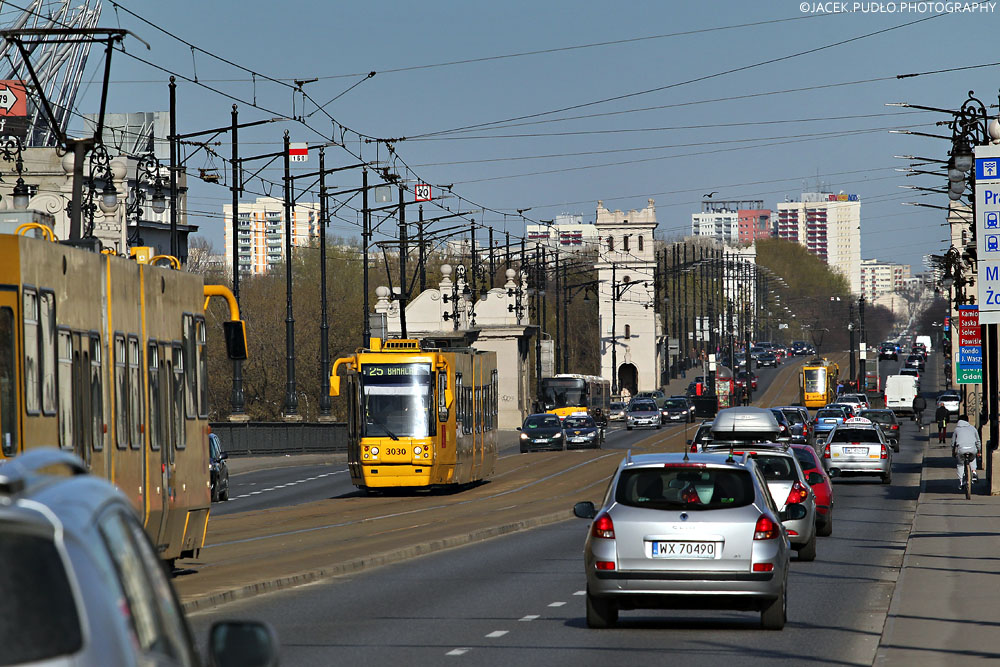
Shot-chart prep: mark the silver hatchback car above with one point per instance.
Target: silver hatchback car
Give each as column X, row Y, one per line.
column 687, row 532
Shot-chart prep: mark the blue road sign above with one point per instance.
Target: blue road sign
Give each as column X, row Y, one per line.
column 970, row 356
column 987, row 169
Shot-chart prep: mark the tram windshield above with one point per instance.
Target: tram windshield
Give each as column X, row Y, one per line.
column 398, row 400
column 815, row 380
column 563, row 393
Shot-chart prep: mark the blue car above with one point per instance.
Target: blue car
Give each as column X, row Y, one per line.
column 826, row 420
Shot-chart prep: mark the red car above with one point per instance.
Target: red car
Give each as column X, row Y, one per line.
column 821, row 486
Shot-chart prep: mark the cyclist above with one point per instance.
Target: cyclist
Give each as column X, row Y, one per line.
column 919, row 404
column 941, row 416
column 965, row 440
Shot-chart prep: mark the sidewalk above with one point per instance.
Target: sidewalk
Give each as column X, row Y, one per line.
column 946, row 605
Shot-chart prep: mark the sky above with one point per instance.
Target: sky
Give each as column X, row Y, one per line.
column 660, row 100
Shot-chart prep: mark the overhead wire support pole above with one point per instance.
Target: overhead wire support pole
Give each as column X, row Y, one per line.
column 237, row 401
column 174, row 159
column 324, row 327
column 403, row 287
column 366, row 331
column 291, row 408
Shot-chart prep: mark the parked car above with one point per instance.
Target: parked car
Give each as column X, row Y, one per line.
column 732, row 536
column 678, row 408
column 885, row 420
column 542, row 431
column 821, row 485
column 617, row 413
column 582, row 431
column 798, row 422
column 951, row 400
column 858, row 447
column 87, row 584
column 643, row 412
column 218, row 470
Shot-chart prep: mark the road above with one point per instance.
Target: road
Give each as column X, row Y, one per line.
column 518, row 599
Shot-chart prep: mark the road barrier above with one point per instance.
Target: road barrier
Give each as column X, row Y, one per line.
column 266, row 438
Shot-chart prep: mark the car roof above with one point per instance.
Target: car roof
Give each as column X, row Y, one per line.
column 660, row 459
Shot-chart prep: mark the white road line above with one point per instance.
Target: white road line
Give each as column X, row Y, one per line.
column 529, row 617
column 556, row 604
column 497, row 633
column 580, row 593
column 457, row 651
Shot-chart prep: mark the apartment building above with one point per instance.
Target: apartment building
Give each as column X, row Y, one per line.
column 261, row 232
column 829, row 226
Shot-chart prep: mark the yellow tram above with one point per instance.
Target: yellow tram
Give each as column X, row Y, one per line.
column 818, row 382
column 419, row 417
column 104, row 356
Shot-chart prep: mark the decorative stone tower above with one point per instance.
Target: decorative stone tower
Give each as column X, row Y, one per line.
column 626, row 270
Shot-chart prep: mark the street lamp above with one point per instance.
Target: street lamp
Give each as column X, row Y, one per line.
column 11, row 149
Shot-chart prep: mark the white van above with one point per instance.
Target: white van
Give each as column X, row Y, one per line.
column 926, row 340
column 900, row 390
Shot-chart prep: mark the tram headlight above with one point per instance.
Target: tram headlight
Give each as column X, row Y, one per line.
column 374, row 451
column 417, row 450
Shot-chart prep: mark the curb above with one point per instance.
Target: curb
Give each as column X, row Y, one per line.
column 333, row 570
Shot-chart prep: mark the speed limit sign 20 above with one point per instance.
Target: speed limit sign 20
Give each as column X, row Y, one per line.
column 422, row 192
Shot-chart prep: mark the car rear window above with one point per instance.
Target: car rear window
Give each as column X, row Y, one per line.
column 39, row 615
column 793, row 416
column 544, row 422
column 685, row 487
column 855, row 435
column 879, row 417
column 806, row 459
column 776, row 468
column 640, row 406
column 830, row 413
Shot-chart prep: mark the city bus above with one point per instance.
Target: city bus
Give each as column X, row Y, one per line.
column 567, row 393
column 418, row 416
column 818, row 382
column 104, row 356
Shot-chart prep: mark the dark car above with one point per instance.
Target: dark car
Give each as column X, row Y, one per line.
column 915, row 360
column 582, row 431
column 742, row 376
column 767, row 358
column 887, row 351
column 542, row 431
column 798, row 421
column 217, row 469
column 678, row 409
column 886, row 420
column 783, row 424
column 701, row 436
column 798, row 348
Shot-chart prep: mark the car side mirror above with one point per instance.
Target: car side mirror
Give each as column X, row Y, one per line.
column 585, row 510
column 814, row 478
column 793, row 512
column 517, row 428
column 243, row 644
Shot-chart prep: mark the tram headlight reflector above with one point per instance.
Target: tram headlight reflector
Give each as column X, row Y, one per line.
column 417, row 450
column 374, row 451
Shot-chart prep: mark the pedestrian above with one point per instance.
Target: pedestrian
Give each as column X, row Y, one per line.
column 840, row 387
column 941, row 417
column 745, row 394
column 965, row 440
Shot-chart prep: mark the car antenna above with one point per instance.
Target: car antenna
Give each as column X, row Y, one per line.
column 628, row 457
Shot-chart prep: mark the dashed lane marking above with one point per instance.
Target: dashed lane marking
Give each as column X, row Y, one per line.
column 457, row 651
column 497, row 633
column 298, row 481
column 556, row 604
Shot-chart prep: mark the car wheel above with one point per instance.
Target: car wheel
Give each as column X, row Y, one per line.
column 659, row 426
column 774, row 615
column 808, row 551
column 523, row 450
column 887, row 478
column 214, row 495
column 224, row 495
column 895, row 446
column 600, row 613
column 826, row 530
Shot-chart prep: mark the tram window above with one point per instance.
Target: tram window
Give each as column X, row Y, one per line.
column 187, row 326
column 65, row 354
column 31, row 367
column 47, row 348
column 122, row 415
column 134, row 393
column 478, row 425
column 459, row 399
column 96, row 393
column 8, row 390
column 178, row 408
column 153, row 407
column 201, row 368
column 467, row 426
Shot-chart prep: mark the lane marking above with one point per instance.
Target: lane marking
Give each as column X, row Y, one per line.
column 529, row 617
column 580, row 593
column 556, row 604
column 275, row 488
column 497, row 633
column 457, row 651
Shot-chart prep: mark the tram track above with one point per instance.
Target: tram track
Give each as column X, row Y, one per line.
column 266, row 550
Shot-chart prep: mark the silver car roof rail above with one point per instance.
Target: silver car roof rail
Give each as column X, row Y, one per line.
column 14, row 473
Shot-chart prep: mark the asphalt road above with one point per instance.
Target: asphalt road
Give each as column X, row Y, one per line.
column 518, row 600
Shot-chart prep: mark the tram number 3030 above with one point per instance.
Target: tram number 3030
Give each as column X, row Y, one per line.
column 395, row 451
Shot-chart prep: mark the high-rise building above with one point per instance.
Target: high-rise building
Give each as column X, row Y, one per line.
column 829, row 226
column 754, row 224
column 879, row 278
column 732, row 222
column 261, row 230
column 567, row 233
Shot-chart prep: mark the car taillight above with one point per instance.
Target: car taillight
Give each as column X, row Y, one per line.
column 765, row 529
column 895, row 427
column 603, row 527
column 694, row 447
column 885, row 453
column 798, row 493
column 826, row 452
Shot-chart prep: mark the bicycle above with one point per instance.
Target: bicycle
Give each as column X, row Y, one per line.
column 967, row 459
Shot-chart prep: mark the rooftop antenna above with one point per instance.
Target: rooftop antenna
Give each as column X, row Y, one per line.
column 628, row 457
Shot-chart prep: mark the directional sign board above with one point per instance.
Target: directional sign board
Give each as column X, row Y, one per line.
column 988, row 232
column 13, row 110
column 969, row 365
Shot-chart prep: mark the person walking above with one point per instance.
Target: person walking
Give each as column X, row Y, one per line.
column 941, row 416
column 965, row 440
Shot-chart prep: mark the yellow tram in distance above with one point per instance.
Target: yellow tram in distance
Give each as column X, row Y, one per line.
column 569, row 393
column 104, row 356
column 419, row 417
column 818, row 382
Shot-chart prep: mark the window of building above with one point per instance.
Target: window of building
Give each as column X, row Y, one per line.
column 611, row 243
column 625, row 242
column 628, row 331
column 640, row 244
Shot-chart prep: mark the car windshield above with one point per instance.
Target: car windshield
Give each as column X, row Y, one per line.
column 397, row 400
column 579, row 422
column 617, row 406
column 541, row 421
column 776, row 468
column 855, row 435
column 685, row 487
column 675, row 403
column 642, row 406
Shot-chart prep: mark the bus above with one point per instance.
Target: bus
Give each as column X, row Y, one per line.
column 418, row 416
column 818, row 382
column 103, row 356
column 568, row 393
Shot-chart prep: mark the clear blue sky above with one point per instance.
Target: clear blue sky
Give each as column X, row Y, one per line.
column 739, row 150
